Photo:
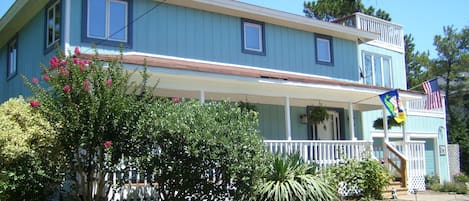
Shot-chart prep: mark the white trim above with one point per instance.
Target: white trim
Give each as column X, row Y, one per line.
column 66, row 33
column 328, row 50
column 399, row 134
column 202, row 96
column 259, row 27
column 351, row 122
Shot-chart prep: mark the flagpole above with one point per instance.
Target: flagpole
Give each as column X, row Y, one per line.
column 365, row 99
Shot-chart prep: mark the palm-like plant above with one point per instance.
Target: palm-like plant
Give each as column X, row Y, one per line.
column 290, row 179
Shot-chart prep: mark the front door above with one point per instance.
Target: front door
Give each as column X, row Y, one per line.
column 329, row 129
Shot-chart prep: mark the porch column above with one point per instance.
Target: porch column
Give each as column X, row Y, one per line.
column 351, row 122
column 202, row 96
column 287, row 118
column 385, row 125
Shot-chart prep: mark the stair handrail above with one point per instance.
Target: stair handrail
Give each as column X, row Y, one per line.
column 403, row 160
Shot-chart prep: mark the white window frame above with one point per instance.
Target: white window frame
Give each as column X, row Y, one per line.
column 107, row 21
column 373, row 69
column 259, row 36
column 12, row 58
column 330, row 51
column 53, row 7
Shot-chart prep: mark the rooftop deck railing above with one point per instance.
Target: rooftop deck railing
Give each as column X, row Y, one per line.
column 391, row 35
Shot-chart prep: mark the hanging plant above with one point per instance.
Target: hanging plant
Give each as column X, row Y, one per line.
column 378, row 123
column 318, row 115
column 246, row 106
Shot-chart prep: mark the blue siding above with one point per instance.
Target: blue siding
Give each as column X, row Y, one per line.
column 190, row 33
column 271, row 121
column 398, row 69
column 30, row 56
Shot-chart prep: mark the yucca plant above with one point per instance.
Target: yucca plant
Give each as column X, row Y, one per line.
column 288, row 178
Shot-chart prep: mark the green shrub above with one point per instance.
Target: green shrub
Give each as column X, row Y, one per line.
column 206, row 151
column 431, row 180
column 461, row 177
column 29, row 168
column 458, row 188
column 368, row 176
column 289, row 178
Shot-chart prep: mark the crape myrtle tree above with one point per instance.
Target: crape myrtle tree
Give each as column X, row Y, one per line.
column 106, row 124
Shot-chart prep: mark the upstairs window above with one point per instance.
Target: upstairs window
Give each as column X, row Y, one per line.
column 324, row 50
column 377, row 70
column 107, row 22
column 53, row 16
column 253, row 41
column 12, row 56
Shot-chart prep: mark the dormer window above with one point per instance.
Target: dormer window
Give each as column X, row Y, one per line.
column 324, row 53
column 107, row 22
column 253, row 41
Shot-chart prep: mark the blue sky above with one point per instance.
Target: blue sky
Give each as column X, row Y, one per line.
column 422, row 18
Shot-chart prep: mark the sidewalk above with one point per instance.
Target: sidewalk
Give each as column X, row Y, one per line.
column 434, row 196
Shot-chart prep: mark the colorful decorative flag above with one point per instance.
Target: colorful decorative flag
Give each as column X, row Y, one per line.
column 433, row 94
column 392, row 103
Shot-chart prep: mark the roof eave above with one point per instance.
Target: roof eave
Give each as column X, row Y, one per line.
column 19, row 14
column 240, row 9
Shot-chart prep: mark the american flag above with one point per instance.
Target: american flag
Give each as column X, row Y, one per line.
column 433, row 94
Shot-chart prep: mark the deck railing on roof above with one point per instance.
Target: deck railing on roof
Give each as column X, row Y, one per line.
column 391, row 35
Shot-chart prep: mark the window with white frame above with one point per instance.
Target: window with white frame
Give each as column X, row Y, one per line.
column 324, row 53
column 253, row 41
column 377, row 70
column 12, row 58
column 53, row 16
column 107, row 21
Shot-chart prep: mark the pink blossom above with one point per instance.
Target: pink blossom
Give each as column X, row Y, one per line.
column 107, row 144
column 46, row 78
column 77, row 51
column 76, row 60
column 175, row 99
column 109, row 82
column 34, row 80
column 86, row 85
column 54, row 62
column 67, row 88
column 82, row 67
column 64, row 72
column 34, row 103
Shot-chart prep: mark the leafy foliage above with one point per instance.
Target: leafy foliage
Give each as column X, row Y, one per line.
column 369, row 176
column 92, row 104
column 204, row 151
column 378, row 123
column 330, row 10
column 29, row 168
column 289, row 178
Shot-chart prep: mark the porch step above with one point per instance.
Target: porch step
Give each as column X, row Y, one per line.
column 387, row 193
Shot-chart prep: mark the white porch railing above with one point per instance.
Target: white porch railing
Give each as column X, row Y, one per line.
column 418, row 107
column 415, row 156
column 391, row 35
column 322, row 153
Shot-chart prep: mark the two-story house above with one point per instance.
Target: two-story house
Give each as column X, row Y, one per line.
column 286, row 65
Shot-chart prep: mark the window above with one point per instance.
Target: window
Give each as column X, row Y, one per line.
column 12, row 58
column 324, row 50
column 52, row 24
column 107, row 22
column 377, row 70
column 253, row 41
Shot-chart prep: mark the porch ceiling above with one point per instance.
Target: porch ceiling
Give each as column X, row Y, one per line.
column 187, row 77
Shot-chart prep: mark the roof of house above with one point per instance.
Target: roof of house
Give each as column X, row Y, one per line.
column 22, row 11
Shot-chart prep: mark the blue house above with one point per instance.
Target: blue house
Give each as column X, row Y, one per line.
column 286, row 65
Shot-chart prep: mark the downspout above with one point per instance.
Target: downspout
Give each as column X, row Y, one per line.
column 67, row 27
